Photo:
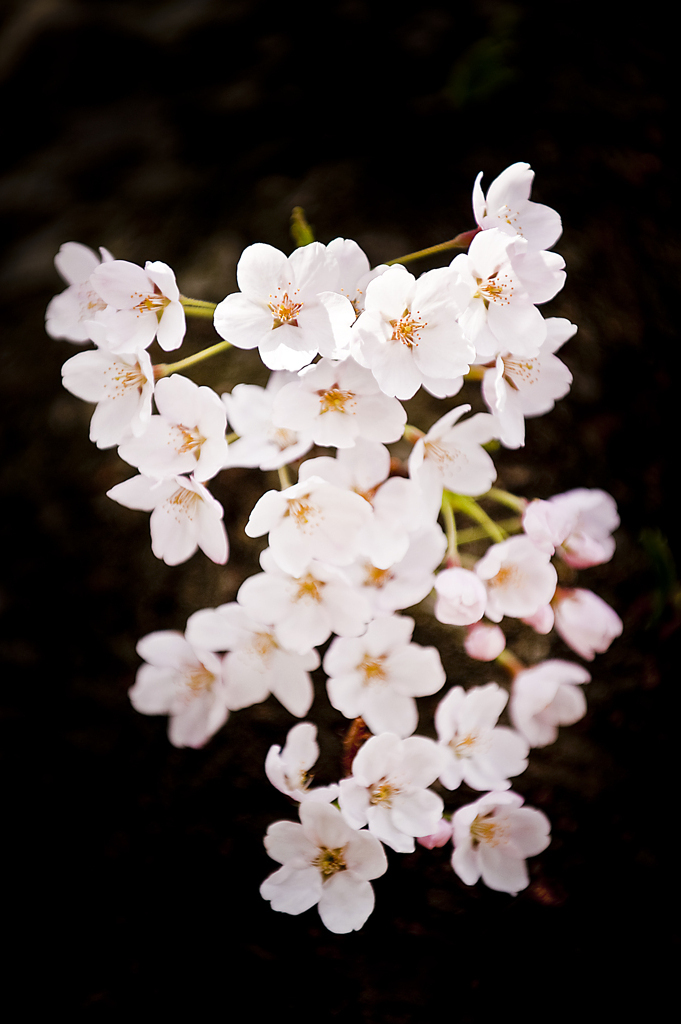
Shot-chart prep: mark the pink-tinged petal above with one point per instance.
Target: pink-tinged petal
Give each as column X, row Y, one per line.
column 389, row 712
column 391, row 293
column 466, row 864
column 417, row 813
column 501, row 872
column 142, row 493
column 173, row 536
column 378, row 758
column 292, row 687
column 172, row 327
column 164, row 279
column 195, row 724
column 166, row 648
column 219, row 629
column 531, row 831
column 258, row 272
column 510, row 187
column 353, row 798
column 286, row 841
column 324, row 825
column 121, row 284
column 292, row 890
column 75, row 262
column 212, row 535
column 346, row 902
column 439, row 838
column 154, row 690
column 241, row 321
column 383, row 827
column 365, row 856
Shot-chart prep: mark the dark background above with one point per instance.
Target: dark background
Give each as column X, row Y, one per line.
column 184, row 131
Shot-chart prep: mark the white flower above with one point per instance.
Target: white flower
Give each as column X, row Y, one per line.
column 305, row 609
column 492, row 838
column 585, row 621
column 289, row 769
column 388, row 791
column 184, row 682
column 260, row 442
column 338, row 402
column 451, row 456
column 521, row 386
column 398, row 508
column 68, row 313
column 184, row 516
column 408, row 334
column 288, row 308
column 378, row 675
column 518, row 576
column 188, row 435
column 500, row 314
column 477, row 751
column 546, row 696
column 145, row 304
column 122, row 386
column 407, row 582
column 461, row 597
column 326, row 863
column 257, row 664
column 507, row 206
column 311, row 519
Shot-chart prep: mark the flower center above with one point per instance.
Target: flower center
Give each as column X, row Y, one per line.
column 376, row 577
column 463, row 747
column 184, row 500
column 334, row 400
column 485, row 830
column 191, row 440
column 309, row 587
column 156, row 302
column 301, row 512
column 284, row 311
column 439, row 454
column 123, row 377
column 284, row 438
column 406, row 329
column 516, row 373
column 263, row 644
column 200, row 680
column 383, row 793
column 330, row 861
column 373, row 669
column 505, row 577
column 494, row 289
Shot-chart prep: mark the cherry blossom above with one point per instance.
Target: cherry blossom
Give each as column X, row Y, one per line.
column 311, row 519
column 378, row 675
column 68, row 313
column 289, row 769
column 397, row 504
column 337, row 402
column 518, row 576
column 256, row 664
column 305, row 609
column 451, row 456
column 492, row 838
column 546, row 696
column 388, row 791
column 522, row 386
column 324, row 863
column 461, row 597
column 145, row 304
column 408, row 334
column 260, row 442
column 406, row 582
column 500, row 314
column 439, row 838
column 576, row 525
column 122, row 386
column 184, row 516
column 477, row 750
column 188, row 435
column 484, row 642
column 184, row 682
column 287, row 307
column 507, row 206
column 585, row 621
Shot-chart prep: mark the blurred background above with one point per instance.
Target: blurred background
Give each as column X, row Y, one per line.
column 182, row 131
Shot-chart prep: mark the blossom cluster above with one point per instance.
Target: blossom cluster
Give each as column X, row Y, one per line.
column 357, row 539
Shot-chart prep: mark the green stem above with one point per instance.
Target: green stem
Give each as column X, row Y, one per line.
column 462, row 241
column 473, row 533
column 284, row 478
column 452, row 557
column 164, row 369
column 198, row 307
column 412, row 434
column 232, row 437
column 463, row 503
column 300, row 229
column 508, row 661
column 508, row 499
